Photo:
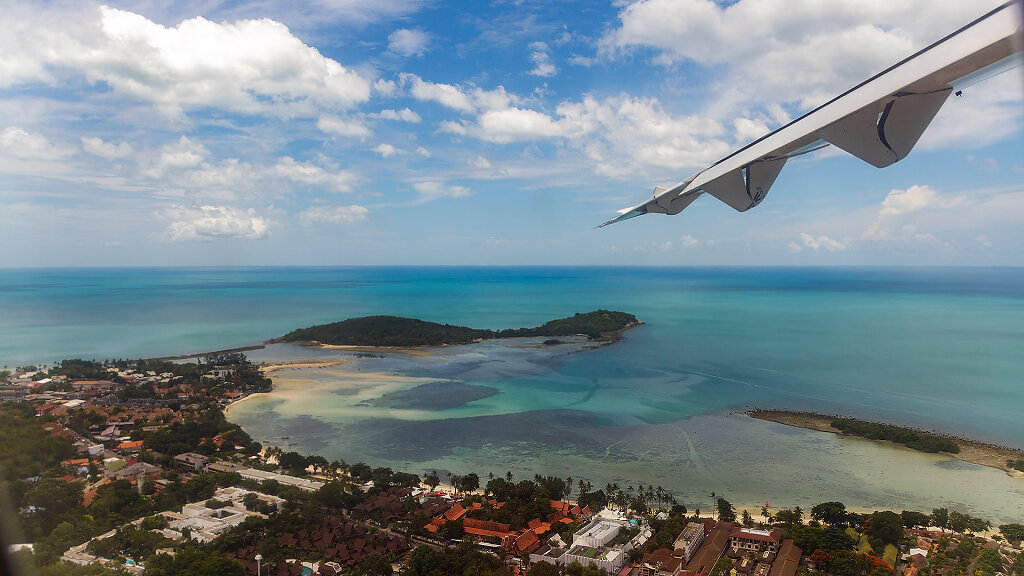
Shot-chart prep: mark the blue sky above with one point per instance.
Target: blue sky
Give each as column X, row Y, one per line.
column 345, row 132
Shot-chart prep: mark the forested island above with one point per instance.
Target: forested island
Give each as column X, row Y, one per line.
column 398, row 331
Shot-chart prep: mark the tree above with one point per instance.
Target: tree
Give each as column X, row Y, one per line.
column 1012, row 532
column 748, row 520
column 470, row 482
column 958, row 521
column 912, row 519
column 831, row 513
column 432, row 480
column 886, row 526
column 940, row 518
column 543, row 569
column 726, row 512
column 723, row 566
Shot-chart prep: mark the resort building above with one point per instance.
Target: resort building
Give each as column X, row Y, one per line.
column 743, row 540
column 689, row 541
column 661, row 562
column 261, row 476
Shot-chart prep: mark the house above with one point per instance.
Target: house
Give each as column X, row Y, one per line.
column 130, row 447
column 661, row 562
column 787, row 561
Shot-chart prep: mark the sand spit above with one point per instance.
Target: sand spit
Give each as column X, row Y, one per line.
column 991, row 455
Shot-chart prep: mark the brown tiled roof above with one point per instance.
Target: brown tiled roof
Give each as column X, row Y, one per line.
column 712, row 548
column 662, row 559
column 788, row 560
column 455, row 512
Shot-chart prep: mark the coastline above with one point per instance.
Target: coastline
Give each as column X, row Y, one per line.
column 972, row 452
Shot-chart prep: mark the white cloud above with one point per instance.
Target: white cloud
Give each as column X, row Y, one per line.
column 309, row 173
column 108, row 150
column 260, row 67
column 543, row 66
column 387, row 150
column 787, row 50
column 817, row 243
column 423, row 152
column 385, row 87
column 913, row 198
column 513, row 124
column 343, row 126
column 466, row 100
column 445, row 94
column 25, row 145
column 434, row 190
column 406, row 42
column 904, row 212
column 212, row 222
column 335, row 214
column 404, row 115
column 620, row 135
column 689, row 241
column 181, row 154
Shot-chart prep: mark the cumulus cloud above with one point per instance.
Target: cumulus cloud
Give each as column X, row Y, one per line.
column 465, row 100
column 404, row 115
column 213, row 222
column 19, row 143
column 895, row 219
column 541, row 58
column 387, row 150
column 423, row 152
column 620, row 134
column 335, row 214
column 434, row 190
column 817, row 243
column 343, row 126
column 183, row 153
column 108, row 150
column 787, row 50
column 310, row 173
column 689, row 241
column 260, row 66
column 406, row 42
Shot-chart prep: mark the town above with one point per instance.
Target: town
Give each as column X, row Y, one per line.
column 129, row 466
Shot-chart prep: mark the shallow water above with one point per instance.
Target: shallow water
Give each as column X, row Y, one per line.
column 939, row 348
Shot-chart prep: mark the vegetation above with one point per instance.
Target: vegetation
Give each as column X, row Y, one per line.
column 921, row 441
column 26, row 449
column 397, row 331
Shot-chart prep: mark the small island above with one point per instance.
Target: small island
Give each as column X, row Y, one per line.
column 395, row 331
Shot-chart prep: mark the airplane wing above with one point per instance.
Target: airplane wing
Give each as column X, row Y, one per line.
column 879, row 121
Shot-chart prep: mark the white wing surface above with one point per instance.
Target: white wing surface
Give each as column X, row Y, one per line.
column 878, row 121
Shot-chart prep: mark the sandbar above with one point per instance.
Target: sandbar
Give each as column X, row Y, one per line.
column 991, row 455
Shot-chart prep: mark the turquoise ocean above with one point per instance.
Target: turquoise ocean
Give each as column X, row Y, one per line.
column 937, row 348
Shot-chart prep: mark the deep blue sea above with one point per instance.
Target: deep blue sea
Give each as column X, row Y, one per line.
column 939, row 348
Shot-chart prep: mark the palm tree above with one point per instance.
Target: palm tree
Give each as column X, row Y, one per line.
column 714, row 503
column 764, row 513
column 798, row 513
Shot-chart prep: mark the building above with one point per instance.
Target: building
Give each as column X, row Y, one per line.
column 261, row 476
column 743, row 540
column 689, row 541
column 225, row 467
column 712, row 549
column 192, row 460
column 661, row 562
